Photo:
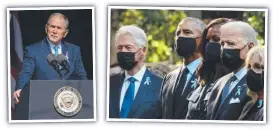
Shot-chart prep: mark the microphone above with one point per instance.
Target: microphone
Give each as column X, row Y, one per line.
column 52, row 60
column 62, row 60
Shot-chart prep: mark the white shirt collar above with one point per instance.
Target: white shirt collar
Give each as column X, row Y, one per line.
column 241, row 73
column 138, row 76
column 193, row 65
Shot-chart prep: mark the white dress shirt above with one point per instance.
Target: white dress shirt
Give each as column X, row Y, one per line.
column 52, row 45
column 138, row 76
column 239, row 75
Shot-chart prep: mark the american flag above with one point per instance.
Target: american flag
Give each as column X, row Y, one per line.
column 16, row 51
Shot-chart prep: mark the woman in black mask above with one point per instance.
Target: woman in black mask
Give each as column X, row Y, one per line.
column 209, row 71
column 253, row 110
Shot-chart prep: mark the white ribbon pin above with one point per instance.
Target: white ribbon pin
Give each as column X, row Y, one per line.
column 239, row 89
column 66, row 55
column 194, row 83
column 147, row 81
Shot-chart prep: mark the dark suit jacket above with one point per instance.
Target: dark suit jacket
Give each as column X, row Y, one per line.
column 198, row 102
column 170, row 110
column 252, row 112
column 146, row 102
column 36, row 67
column 228, row 110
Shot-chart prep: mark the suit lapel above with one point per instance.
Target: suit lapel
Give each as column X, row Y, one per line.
column 191, row 85
column 115, row 94
column 218, row 97
column 45, row 48
column 168, row 91
column 176, row 78
column 141, row 95
column 232, row 94
column 64, row 49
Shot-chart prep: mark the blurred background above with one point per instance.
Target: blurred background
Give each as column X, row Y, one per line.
column 160, row 27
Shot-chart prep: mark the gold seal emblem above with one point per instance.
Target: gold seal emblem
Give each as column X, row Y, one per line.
column 67, row 101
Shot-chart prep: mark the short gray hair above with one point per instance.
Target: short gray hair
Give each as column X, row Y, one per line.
column 138, row 35
column 59, row 15
column 249, row 34
column 200, row 25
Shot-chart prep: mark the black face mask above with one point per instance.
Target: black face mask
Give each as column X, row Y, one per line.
column 255, row 81
column 213, row 51
column 126, row 60
column 231, row 58
column 185, row 47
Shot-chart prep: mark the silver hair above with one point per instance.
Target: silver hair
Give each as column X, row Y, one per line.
column 249, row 34
column 200, row 25
column 59, row 15
column 138, row 35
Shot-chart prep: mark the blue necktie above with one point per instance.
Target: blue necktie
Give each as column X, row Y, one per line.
column 128, row 98
column 225, row 91
column 56, row 50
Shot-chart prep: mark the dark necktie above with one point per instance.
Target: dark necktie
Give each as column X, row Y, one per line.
column 226, row 90
column 128, row 98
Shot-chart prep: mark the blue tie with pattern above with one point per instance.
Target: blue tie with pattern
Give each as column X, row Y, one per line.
column 225, row 91
column 56, row 50
column 128, row 99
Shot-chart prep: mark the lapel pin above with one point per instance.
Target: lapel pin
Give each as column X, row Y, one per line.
column 66, row 55
column 239, row 89
column 147, row 81
column 194, row 83
column 260, row 103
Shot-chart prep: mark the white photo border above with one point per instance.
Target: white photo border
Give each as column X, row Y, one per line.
column 8, row 9
column 186, row 8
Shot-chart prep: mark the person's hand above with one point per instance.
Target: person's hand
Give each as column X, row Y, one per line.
column 16, row 96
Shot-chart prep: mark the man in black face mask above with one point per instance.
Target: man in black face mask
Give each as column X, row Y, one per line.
column 134, row 93
column 179, row 83
column 228, row 95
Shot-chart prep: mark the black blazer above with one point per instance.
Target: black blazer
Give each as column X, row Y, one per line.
column 198, row 102
column 146, row 102
column 169, row 110
column 232, row 106
column 251, row 112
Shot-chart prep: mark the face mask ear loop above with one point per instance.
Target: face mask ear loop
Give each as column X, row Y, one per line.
column 243, row 47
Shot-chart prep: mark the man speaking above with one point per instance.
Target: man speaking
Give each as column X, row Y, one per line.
column 52, row 58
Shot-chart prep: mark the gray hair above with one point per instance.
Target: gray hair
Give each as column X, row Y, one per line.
column 200, row 25
column 249, row 34
column 138, row 35
column 59, row 15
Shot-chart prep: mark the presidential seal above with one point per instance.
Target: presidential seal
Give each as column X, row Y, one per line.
column 67, row 101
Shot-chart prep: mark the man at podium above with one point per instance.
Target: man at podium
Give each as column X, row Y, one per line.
column 51, row 58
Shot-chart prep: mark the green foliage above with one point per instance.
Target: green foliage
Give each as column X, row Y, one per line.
column 257, row 21
column 160, row 27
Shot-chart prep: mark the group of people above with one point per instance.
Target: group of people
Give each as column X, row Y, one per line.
column 222, row 76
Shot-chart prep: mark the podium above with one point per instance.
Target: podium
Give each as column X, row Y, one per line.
column 56, row 99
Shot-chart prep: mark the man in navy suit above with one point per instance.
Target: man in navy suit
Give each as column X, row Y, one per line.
column 134, row 93
column 229, row 94
column 35, row 65
column 178, row 84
